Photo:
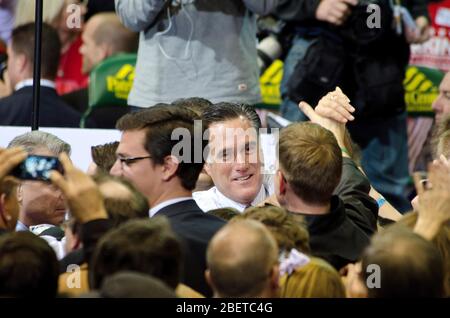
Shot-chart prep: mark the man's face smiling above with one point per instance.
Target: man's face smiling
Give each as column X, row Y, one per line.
column 234, row 162
column 441, row 104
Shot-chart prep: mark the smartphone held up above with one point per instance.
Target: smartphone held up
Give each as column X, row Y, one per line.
column 36, row 167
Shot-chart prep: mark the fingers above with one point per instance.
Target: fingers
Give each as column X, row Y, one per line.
column 66, row 163
column 10, row 158
column 308, row 111
column 57, row 179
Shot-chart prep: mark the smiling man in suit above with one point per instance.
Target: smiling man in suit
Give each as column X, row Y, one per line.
column 145, row 156
column 15, row 109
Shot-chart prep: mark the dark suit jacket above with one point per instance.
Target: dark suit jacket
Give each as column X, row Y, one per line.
column 195, row 228
column 15, row 110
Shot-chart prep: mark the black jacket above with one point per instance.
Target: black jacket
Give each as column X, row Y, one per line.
column 340, row 236
column 195, row 228
column 15, row 110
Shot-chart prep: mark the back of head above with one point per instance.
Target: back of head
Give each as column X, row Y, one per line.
column 221, row 112
column 170, row 131
column 36, row 140
column 311, row 161
column 441, row 241
column 146, row 246
column 104, row 156
column 28, row 266
column 196, row 104
column 22, row 42
column 288, row 231
column 410, row 266
column 317, row 279
column 224, row 213
column 135, row 285
column 122, row 201
column 241, row 259
column 110, row 31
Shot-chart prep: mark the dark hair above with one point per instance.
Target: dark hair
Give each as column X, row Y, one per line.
column 104, row 156
column 196, row 104
column 22, row 41
column 224, row 213
column 28, row 266
column 160, row 122
column 410, row 265
column 146, row 246
column 221, row 112
column 311, row 161
column 125, row 202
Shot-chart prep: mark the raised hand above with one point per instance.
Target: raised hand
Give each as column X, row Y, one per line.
column 80, row 191
column 335, row 11
column 10, row 158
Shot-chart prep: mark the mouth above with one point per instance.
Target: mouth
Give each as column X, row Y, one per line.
column 243, row 178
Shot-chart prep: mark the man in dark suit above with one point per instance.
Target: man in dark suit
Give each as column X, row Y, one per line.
column 15, row 109
column 165, row 169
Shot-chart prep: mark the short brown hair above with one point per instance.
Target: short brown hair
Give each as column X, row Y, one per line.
column 160, row 122
column 441, row 241
column 410, row 265
column 104, row 156
column 145, row 246
column 22, row 42
column 288, row 231
column 311, row 161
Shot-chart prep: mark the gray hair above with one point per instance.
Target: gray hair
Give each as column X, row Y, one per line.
column 38, row 139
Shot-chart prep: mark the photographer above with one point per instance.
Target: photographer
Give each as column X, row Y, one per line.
column 335, row 45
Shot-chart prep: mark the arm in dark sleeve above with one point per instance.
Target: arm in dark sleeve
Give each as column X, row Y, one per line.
column 353, row 189
column 296, row 10
column 91, row 232
column 261, row 7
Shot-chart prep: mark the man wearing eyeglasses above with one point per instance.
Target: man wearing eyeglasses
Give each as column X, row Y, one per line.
column 145, row 157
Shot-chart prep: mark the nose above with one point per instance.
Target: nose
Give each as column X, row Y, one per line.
column 116, row 169
column 436, row 106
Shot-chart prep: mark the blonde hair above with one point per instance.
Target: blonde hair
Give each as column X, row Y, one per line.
column 317, row 279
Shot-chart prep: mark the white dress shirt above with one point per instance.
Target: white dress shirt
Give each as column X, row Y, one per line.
column 213, row 199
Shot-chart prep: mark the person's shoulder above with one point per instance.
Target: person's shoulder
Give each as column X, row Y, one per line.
column 205, row 199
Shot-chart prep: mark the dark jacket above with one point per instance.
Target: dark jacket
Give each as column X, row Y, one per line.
column 367, row 63
column 195, row 228
column 340, row 236
column 15, row 110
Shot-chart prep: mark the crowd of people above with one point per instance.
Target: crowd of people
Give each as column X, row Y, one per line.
column 181, row 205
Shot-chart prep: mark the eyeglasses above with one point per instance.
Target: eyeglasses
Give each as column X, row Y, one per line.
column 130, row 160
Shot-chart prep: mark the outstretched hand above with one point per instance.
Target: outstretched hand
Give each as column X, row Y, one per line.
column 80, row 191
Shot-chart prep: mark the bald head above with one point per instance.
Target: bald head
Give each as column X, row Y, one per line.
column 103, row 36
column 122, row 201
column 242, row 259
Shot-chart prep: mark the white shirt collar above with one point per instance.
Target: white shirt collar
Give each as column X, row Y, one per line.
column 29, row 82
column 162, row 205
